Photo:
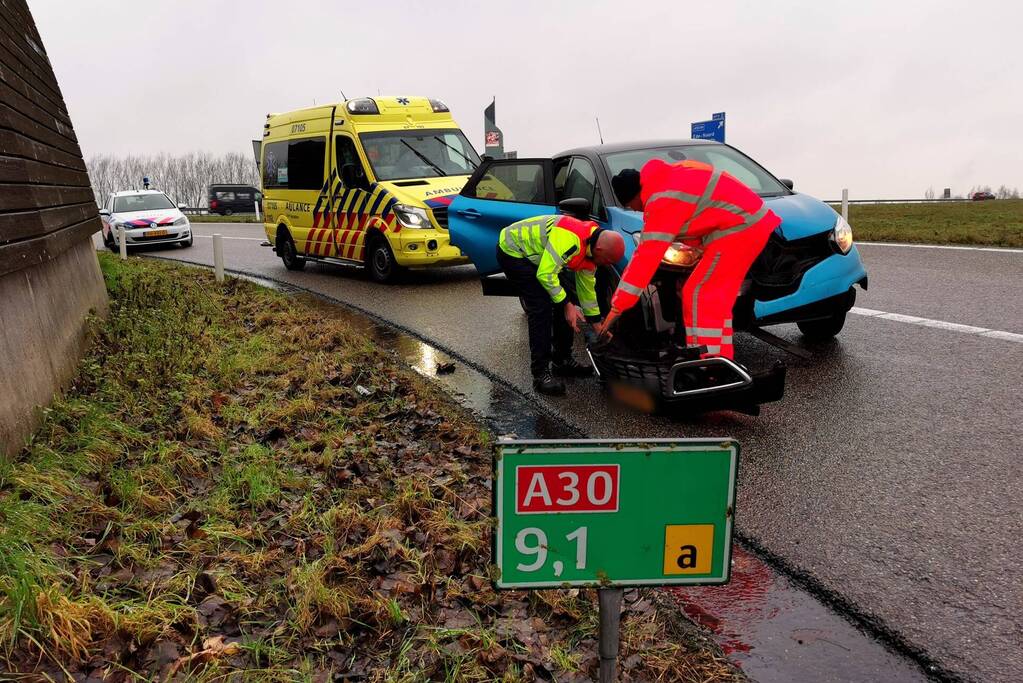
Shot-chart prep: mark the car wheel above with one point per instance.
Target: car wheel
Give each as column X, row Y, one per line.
column 380, row 261
column 823, row 329
column 287, row 251
column 112, row 243
column 522, row 302
column 188, row 242
column 227, row 212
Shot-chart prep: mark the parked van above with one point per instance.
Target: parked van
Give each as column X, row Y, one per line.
column 366, row 181
column 227, row 198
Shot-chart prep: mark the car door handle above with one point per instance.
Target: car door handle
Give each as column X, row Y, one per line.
column 469, row 213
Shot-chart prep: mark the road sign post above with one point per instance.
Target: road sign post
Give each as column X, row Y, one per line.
column 609, row 514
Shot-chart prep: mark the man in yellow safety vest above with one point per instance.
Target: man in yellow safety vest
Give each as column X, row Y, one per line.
column 532, row 253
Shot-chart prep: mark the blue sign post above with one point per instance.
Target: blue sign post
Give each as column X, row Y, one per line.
column 710, row 130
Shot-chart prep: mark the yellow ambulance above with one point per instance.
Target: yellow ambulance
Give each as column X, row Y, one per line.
column 366, row 181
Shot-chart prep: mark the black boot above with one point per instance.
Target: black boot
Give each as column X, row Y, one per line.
column 570, row 368
column 549, row 384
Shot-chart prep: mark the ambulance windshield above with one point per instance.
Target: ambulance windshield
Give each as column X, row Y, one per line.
column 405, row 154
column 719, row 156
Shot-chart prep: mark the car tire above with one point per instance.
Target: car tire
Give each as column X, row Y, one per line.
column 188, row 242
column 380, row 261
column 111, row 243
column 288, row 252
column 822, row 329
column 227, row 212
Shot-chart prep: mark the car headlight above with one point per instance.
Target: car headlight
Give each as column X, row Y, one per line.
column 842, row 236
column 682, row 255
column 180, row 221
column 411, row 216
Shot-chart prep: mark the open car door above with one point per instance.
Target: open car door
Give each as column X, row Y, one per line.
column 499, row 193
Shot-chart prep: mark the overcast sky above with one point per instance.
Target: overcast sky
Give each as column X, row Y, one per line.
column 886, row 98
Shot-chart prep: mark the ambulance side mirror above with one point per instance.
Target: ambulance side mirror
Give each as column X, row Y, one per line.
column 576, row 207
column 787, row 183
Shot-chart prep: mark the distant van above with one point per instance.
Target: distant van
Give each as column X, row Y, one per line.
column 366, row 182
column 226, row 199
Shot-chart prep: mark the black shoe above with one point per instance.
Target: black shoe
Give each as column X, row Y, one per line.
column 570, row 368
column 549, row 384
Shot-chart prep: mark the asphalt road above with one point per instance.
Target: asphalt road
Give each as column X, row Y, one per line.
column 890, row 473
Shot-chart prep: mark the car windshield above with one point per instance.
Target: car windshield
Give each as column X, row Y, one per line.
column 719, row 156
column 142, row 202
column 402, row 154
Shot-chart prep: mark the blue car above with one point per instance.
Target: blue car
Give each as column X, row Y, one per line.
column 806, row 274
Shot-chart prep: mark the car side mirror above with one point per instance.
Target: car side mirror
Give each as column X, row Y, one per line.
column 787, row 183
column 182, row 207
column 104, row 212
column 576, row 207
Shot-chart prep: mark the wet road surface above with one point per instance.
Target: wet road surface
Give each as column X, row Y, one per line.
column 887, row 479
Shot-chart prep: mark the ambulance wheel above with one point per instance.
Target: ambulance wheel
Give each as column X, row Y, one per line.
column 380, row 261
column 823, row 329
column 287, row 251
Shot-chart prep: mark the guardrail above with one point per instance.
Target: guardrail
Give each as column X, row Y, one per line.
column 898, row 201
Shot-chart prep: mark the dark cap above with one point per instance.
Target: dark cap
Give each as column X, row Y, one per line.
column 626, row 185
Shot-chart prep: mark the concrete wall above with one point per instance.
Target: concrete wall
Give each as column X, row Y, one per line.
column 42, row 335
column 49, row 275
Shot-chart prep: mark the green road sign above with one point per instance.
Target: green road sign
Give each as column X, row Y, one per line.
column 614, row 513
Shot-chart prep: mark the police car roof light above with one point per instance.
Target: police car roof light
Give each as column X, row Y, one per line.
column 363, row 105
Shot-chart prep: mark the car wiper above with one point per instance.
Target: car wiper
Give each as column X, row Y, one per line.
column 455, row 150
column 438, row 169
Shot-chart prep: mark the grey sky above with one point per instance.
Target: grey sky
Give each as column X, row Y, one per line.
column 886, row 98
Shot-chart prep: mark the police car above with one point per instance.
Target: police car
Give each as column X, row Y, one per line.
column 144, row 217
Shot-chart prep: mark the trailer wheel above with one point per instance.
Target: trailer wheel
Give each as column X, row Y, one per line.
column 823, row 329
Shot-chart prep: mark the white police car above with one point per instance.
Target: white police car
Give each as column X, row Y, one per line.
column 144, row 217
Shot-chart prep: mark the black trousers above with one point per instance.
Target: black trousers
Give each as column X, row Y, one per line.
column 550, row 337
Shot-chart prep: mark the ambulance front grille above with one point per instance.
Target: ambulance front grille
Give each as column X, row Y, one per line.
column 440, row 214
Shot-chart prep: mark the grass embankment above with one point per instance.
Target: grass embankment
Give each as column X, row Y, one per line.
column 236, row 482
column 216, row 218
column 996, row 223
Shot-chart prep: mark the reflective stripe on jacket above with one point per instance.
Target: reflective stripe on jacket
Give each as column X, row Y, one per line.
column 553, row 243
column 691, row 202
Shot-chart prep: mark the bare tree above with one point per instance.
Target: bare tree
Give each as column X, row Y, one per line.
column 183, row 177
column 1005, row 192
column 929, row 194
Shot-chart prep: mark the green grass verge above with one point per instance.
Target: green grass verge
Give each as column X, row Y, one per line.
column 995, row 223
column 215, row 218
column 239, row 487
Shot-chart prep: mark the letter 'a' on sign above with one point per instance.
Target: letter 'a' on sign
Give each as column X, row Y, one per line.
column 688, row 548
column 608, row 513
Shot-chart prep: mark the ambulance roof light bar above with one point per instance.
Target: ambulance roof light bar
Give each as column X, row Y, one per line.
column 363, row 105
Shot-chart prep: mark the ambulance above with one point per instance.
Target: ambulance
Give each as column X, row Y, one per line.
column 364, row 182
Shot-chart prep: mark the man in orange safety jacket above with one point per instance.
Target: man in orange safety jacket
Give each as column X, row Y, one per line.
column 700, row 206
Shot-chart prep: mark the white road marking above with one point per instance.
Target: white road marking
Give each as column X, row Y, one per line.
column 999, row 250
column 939, row 324
column 254, row 239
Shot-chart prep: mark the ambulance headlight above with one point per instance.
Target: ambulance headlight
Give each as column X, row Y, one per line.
column 681, row 255
column 438, row 106
column 411, row 216
column 842, row 236
column 363, row 105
